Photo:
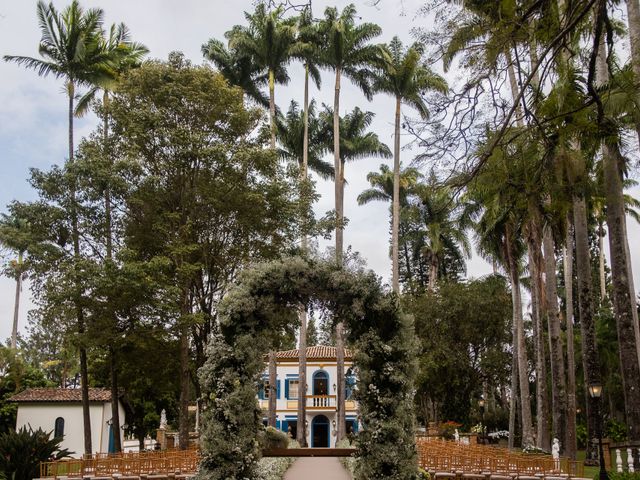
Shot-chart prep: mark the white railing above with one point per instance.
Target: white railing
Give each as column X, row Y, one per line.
column 321, row 401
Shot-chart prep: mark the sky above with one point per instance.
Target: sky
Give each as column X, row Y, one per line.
column 33, row 109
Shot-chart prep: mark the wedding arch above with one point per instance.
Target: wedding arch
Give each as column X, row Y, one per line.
column 265, row 301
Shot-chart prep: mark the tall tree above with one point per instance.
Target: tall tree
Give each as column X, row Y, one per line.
column 70, row 47
column 270, row 42
column 407, row 78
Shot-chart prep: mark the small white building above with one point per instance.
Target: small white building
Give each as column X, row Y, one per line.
column 59, row 410
column 321, row 394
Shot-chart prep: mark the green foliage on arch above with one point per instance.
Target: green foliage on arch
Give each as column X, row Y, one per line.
column 265, row 302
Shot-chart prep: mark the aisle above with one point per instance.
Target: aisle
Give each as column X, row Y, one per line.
column 317, row 468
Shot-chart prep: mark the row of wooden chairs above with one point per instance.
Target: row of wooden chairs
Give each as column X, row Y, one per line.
column 128, row 464
column 442, row 456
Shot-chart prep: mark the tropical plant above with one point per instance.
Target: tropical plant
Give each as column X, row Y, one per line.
column 404, row 76
column 21, row 452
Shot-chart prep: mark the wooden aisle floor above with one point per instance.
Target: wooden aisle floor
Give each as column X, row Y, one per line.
column 317, row 468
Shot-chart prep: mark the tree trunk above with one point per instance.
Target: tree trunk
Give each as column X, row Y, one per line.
column 338, row 170
column 558, row 380
column 16, row 305
column 543, row 436
column 395, row 228
column 633, row 20
column 84, row 370
column 272, row 107
column 115, row 411
column 433, row 272
column 513, row 404
column 621, row 274
column 301, row 432
column 273, row 390
column 185, row 375
column 590, row 360
column 340, row 383
column 572, row 446
column 523, row 368
column 632, row 292
column 601, row 269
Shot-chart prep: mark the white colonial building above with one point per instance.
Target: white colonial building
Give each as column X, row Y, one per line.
column 59, row 410
column 321, row 394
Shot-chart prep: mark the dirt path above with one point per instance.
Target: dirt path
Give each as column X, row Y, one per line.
column 317, row 468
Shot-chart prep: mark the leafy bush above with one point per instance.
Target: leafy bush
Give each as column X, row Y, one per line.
column 21, row 452
column 447, row 429
column 620, row 476
column 616, row 431
column 273, row 438
column 581, row 435
column 273, row 468
column 349, row 463
column 423, row 474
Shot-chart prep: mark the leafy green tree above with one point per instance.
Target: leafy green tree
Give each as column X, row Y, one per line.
column 206, row 203
column 70, row 47
column 407, row 78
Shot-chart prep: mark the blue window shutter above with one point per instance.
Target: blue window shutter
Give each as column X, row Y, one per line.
column 278, row 389
column 285, row 426
column 277, row 424
column 261, row 393
column 286, row 389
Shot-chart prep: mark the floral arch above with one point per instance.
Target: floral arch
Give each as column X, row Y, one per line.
column 265, row 301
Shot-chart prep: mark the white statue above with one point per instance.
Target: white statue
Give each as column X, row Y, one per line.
column 465, row 440
column 630, row 459
column 163, row 419
column 618, row 461
column 456, row 435
column 555, row 453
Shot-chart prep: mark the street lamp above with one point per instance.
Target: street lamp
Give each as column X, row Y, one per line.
column 595, row 392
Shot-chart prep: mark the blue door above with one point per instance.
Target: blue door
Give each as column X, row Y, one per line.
column 320, row 432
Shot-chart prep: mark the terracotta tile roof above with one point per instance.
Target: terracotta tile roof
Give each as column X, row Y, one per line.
column 313, row 353
column 61, row 395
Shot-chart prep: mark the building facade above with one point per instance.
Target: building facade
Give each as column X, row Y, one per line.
column 59, row 410
column 320, row 397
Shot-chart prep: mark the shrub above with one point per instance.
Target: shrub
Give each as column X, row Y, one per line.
column 273, row 468
column 447, row 429
column 274, row 438
column 616, row 431
column 349, row 463
column 21, row 452
column 620, row 476
column 423, row 474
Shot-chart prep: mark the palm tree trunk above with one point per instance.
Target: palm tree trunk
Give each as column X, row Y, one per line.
column 340, row 383
column 115, row 402
column 16, row 305
column 273, row 389
column 301, row 431
column 572, row 446
column 433, row 272
column 272, row 107
column 185, row 374
column 558, row 380
column 633, row 20
column 523, row 370
column 590, row 360
column 115, row 411
column 621, row 274
column 84, row 370
column 395, row 228
column 513, row 403
column 601, row 269
column 632, row 291
column 338, row 169
column 542, row 414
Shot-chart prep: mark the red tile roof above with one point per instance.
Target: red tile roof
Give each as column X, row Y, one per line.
column 61, row 395
column 318, row 352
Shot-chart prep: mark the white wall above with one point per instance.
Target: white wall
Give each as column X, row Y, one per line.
column 43, row 415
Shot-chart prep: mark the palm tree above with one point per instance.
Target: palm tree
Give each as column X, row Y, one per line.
column 14, row 236
column 444, row 226
column 382, row 185
column 347, row 52
column 70, row 47
column 238, row 69
column 355, row 143
column 404, row 76
column 291, row 136
column 270, row 43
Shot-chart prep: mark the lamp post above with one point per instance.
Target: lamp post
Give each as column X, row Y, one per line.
column 595, row 392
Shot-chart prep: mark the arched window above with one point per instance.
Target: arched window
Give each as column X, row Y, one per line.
column 58, row 430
